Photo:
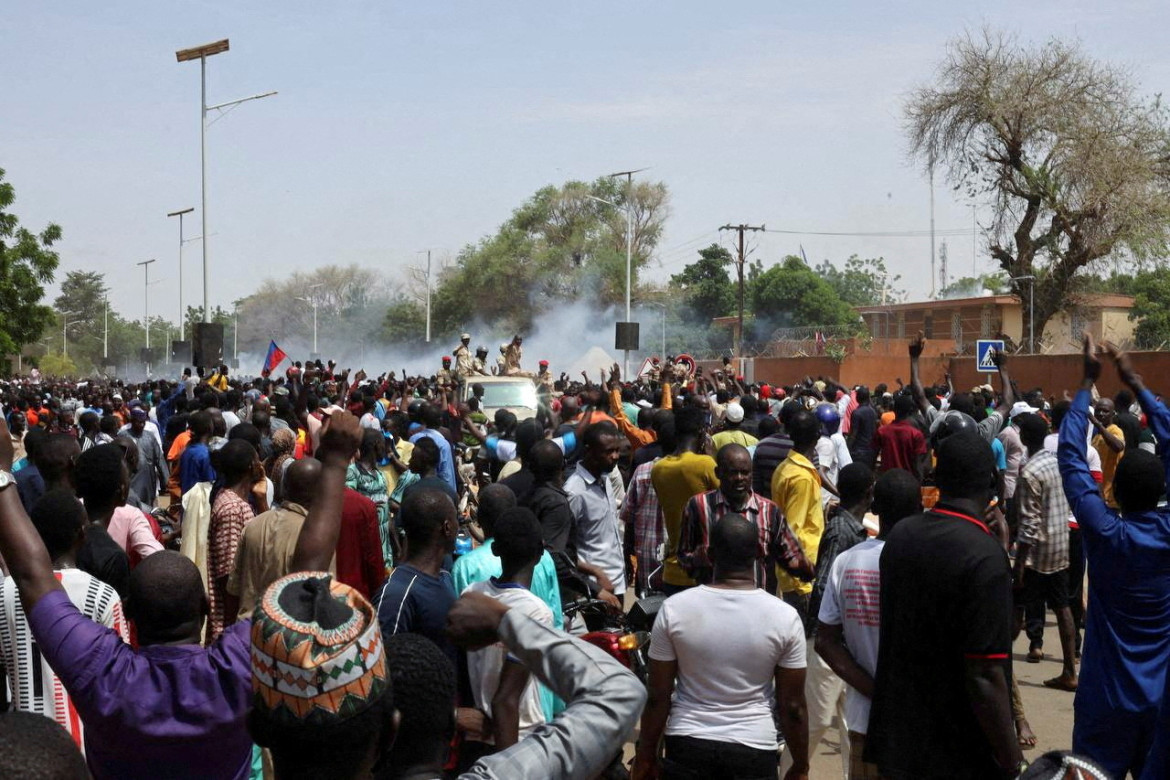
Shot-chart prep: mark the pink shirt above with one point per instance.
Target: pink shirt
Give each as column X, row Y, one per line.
column 131, row 530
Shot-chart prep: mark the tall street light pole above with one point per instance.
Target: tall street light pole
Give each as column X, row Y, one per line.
column 312, row 300
column 146, row 304
column 629, row 245
column 182, row 313
column 64, row 329
column 201, row 53
column 106, row 335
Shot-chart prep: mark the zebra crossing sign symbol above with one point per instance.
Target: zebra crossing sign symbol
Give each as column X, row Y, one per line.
column 983, row 354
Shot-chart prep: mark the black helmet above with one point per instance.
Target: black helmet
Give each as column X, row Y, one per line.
column 949, row 424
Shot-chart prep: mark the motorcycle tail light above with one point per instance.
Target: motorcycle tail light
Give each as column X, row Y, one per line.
column 628, row 642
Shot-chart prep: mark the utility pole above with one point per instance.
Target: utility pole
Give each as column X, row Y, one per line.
column 182, row 318
column 146, row 306
column 739, row 261
column 428, row 296
column 932, row 287
column 629, row 248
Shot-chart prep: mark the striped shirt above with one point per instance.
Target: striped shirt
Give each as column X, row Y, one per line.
column 1044, row 513
column 777, row 547
column 645, row 530
column 33, row 686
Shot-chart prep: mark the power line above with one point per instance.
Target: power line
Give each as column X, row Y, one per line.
column 877, row 234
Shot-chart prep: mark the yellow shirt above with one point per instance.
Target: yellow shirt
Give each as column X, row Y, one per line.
column 733, row 436
column 218, row 382
column 676, row 478
column 1109, row 461
column 796, row 489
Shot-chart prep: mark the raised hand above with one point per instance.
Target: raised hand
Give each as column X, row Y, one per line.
column 917, row 344
column 1092, row 363
column 340, row 437
column 1124, row 366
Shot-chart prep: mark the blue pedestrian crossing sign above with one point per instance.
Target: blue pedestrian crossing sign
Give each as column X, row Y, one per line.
column 984, row 351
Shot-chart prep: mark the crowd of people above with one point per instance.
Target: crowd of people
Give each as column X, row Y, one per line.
column 326, row 574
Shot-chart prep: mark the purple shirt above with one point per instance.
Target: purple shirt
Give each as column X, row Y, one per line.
column 161, row 711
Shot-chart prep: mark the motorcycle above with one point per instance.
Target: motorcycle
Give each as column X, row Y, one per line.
column 625, row 637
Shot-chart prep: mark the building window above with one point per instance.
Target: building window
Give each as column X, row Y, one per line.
column 901, row 324
column 957, row 327
column 985, row 323
column 1079, row 318
column 927, row 326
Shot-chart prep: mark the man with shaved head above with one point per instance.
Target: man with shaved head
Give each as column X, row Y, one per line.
column 777, row 544
column 266, row 549
column 719, row 721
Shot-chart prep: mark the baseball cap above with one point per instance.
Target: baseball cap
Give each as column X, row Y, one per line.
column 734, row 413
column 1021, row 407
column 465, row 337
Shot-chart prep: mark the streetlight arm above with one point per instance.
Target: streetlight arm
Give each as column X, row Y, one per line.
column 230, row 103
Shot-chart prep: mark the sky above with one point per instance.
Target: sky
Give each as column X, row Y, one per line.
column 405, row 127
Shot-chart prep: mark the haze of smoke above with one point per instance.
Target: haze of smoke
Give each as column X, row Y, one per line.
column 572, row 338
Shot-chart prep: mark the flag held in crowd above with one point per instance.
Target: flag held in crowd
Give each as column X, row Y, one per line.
column 274, row 358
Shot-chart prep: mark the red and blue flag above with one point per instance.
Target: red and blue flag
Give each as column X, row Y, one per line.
column 275, row 357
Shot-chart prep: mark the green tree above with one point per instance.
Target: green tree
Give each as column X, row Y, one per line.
column 562, row 244
column 56, row 364
column 1151, row 306
column 83, row 294
column 790, row 294
column 706, row 287
column 27, row 264
column 860, row 282
column 405, row 322
column 1072, row 160
column 973, row 286
column 194, row 315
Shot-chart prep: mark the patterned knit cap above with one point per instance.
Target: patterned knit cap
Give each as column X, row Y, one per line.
column 317, row 655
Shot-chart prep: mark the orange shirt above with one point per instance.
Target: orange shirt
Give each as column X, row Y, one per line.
column 178, row 445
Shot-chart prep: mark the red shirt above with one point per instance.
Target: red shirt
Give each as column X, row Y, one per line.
column 900, row 445
column 359, row 547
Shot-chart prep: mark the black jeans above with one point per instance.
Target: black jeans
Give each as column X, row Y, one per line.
column 691, row 758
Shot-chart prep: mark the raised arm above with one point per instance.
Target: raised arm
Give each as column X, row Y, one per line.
column 1007, row 394
column 20, row 544
column 1083, row 495
column 916, row 389
column 1156, row 412
column 317, row 542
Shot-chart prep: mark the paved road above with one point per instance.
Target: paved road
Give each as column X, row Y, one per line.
column 1049, row 712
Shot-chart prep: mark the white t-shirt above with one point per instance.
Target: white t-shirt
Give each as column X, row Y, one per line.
column 852, row 601
column 484, row 666
column 833, row 455
column 728, row 644
column 33, row 686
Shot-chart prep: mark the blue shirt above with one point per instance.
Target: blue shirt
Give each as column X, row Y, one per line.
column 1000, row 455
column 1127, row 632
column 195, row 466
column 413, row 601
column 446, row 468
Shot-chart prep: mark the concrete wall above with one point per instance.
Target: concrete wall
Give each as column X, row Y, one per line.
column 1054, row 373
